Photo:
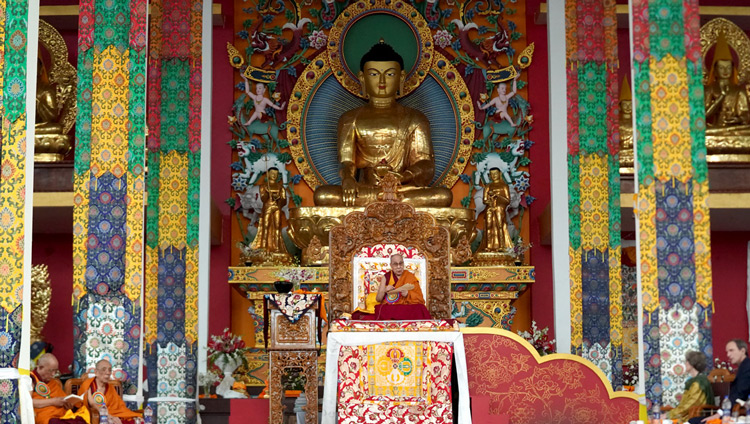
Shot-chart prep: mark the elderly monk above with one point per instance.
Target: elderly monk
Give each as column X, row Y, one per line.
column 48, row 396
column 399, row 286
column 97, row 388
column 383, row 137
column 399, row 296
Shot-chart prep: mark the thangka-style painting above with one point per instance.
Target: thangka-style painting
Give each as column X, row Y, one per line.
column 297, row 63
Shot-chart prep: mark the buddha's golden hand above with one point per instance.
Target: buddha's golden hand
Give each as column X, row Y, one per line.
column 348, row 191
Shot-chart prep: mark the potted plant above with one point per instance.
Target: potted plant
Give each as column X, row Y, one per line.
column 538, row 338
column 293, row 276
column 293, row 381
column 227, row 353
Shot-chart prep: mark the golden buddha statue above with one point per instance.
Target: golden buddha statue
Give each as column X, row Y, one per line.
column 726, row 101
column 496, row 197
column 383, row 137
column 626, row 125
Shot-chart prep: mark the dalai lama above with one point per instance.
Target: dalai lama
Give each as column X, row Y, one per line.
column 399, row 296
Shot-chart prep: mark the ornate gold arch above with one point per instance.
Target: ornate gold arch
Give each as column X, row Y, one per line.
column 737, row 40
column 390, row 222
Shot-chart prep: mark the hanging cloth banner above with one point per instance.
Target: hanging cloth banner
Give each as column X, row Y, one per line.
column 672, row 191
column 594, row 185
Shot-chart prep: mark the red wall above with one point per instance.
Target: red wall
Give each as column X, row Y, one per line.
column 56, row 250
column 541, row 256
column 729, row 263
column 221, row 158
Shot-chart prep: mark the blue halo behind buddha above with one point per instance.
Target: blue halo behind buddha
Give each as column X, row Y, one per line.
column 329, row 87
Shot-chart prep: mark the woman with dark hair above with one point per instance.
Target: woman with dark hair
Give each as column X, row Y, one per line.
column 697, row 387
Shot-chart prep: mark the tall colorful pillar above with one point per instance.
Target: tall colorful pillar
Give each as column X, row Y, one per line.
column 672, row 191
column 594, row 184
column 16, row 156
column 174, row 155
column 109, row 185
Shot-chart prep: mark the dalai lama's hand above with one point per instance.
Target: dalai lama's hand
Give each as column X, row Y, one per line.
column 405, row 288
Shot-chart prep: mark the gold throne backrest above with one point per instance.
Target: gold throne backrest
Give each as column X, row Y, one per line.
column 390, row 223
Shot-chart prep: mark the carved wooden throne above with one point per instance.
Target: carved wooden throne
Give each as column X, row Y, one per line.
column 389, row 222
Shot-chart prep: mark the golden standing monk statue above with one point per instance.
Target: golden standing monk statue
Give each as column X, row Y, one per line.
column 726, row 100
column 497, row 198
column 273, row 195
column 383, row 137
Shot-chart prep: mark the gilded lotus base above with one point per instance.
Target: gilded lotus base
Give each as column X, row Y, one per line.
column 262, row 258
column 492, row 259
column 316, row 221
column 51, row 147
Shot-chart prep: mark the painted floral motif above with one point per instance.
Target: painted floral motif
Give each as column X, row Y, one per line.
column 293, row 305
column 395, row 382
column 555, row 391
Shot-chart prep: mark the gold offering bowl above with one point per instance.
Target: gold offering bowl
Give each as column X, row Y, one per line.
column 316, row 221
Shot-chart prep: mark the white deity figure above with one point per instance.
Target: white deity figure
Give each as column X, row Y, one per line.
column 260, row 101
column 502, row 100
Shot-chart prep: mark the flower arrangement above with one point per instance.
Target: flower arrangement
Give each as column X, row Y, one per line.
column 539, row 339
column 519, row 248
column 719, row 364
column 227, row 348
column 293, row 379
column 208, row 380
column 630, row 376
column 295, row 275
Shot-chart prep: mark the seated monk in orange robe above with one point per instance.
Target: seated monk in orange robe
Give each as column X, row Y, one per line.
column 117, row 412
column 400, row 295
column 48, row 395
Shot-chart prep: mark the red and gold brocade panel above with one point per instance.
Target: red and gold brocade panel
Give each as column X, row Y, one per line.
column 406, row 381
column 561, row 389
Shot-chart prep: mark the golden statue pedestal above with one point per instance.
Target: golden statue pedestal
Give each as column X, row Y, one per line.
column 51, row 147
column 493, row 259
column 309, row 223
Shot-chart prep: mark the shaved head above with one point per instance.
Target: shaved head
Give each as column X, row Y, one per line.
column 46, row 360
column 47, row 367
column 103, row 363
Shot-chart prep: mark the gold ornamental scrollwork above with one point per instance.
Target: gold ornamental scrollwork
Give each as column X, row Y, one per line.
column 383, row 223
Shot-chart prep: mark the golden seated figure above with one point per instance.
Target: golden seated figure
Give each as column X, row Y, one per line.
column 726, row 82
column 379, row 139
column 55, row 99
column 383, row 137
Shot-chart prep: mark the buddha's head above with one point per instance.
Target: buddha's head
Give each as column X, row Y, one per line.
column 381, row 71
